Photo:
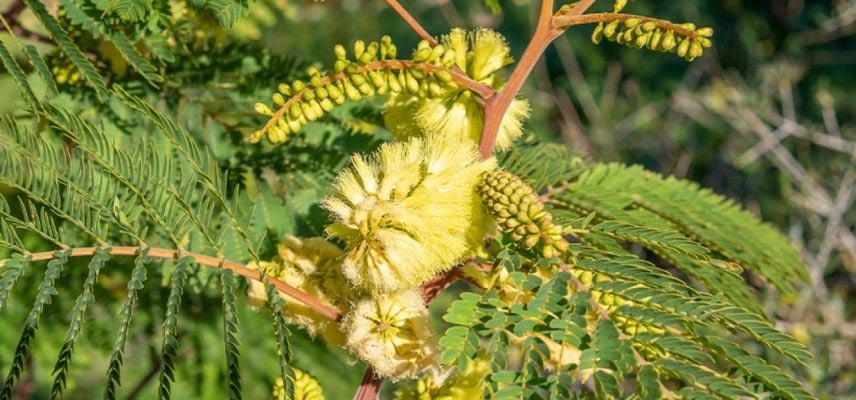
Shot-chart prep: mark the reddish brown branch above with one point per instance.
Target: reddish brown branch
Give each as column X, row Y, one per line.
column 240, row 269
column 369, row 387
column 495, row 108
column 411, row 22
column 9, row 18
column 440, row 282
column 12, row 11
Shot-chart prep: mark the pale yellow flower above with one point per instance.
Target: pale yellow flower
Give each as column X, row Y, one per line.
column 392, row 334
column 460, row 116
column 305, row 387
column 481, row 54
column 313, row 266
column 408, row 212
column 308, row 254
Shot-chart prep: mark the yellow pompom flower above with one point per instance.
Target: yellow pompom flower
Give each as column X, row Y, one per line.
column 408, row 212
column 457, row 114
column 309, row 254
column 313, row 266
column 306, row 387
column 392, row 334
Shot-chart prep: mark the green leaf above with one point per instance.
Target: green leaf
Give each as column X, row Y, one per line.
column 117, row 38
column 78, row 321
column 20, row 78
column 126, row 314
column 68, row 47
column 42, row 69
column 169, row 349
column 13, row 269
column 230, row 335
column 31, row 325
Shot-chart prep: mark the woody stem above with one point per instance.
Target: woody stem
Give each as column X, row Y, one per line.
column 495, row 107
column 411, row 22
column 240, row 269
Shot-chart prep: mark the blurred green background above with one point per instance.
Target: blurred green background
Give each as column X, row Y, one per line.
column 766, row 117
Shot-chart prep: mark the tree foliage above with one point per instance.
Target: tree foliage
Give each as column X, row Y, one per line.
column 595, row 280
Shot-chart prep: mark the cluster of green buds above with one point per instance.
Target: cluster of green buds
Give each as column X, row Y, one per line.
column 521, row 214
column 685, row 40
column 373, row 70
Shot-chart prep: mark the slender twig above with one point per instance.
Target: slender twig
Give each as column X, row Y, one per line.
column 484, row 91
column 240, row 269
column 566, row 21
column 411, row 22
column 440, row 282
column 495, row 108
column 146, row 379
column 11, row 12
column 9, row 17
column 369, row 387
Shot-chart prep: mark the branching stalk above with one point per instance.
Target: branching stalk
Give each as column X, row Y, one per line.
column 495, row 108
column 411, row 22
column 566, row 21
column 325, row 310
column 369, row 387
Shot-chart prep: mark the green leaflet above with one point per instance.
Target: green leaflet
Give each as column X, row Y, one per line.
column 118, row 38
column 126, row 314
column 68, row 47
column 31, row 325
column 78, row 321
column 13, row 269
column 20, row 78
column 169, row 349
column 230, row 334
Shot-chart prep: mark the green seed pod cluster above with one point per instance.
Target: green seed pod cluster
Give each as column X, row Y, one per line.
column 685, row 40
column 520, row 213
column 372, row 70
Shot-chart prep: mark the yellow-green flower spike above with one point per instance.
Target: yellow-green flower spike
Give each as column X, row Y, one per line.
column 392, row 334
column 305, row 386
column 408, row 212
column 520, row 213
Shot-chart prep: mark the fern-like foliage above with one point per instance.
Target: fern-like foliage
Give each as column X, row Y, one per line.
column 78, row 320
column 642, row 294
column 165, row 192
column 606, row 312
column 126, row 315
column 43, row 298
column 170, row 326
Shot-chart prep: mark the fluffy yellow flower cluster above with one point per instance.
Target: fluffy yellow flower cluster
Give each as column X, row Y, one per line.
column 313, row 266
column 457, row 113
column 305, row 388
column 408, row 212
column 392, row 333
